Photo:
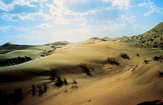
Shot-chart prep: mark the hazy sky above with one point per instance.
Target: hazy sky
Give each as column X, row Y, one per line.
column 44, row 21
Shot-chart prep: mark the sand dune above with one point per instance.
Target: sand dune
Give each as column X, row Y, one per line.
column 107, row 72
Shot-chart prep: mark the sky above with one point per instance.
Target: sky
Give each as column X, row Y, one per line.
column 36, row 22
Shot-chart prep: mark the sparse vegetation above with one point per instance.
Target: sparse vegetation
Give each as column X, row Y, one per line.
column 124, row 56
column 86, row 69
column 158, row 58
column 14, row 61
column 137, row 55
column 112, row 61
column 160, row 74
column 74, row 81
column 74, row 87
column 58, row 82
column 17, row 96
column 151, row 39
column 40, row 91
column 161, row 47
column 33, row 90
column 65, row 81
column 155, row 46
column 53, row 74
column 146, row 61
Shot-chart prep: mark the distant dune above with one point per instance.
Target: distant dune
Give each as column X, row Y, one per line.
column 97, row 71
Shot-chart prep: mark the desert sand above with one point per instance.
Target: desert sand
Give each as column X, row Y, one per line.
column 119, row 71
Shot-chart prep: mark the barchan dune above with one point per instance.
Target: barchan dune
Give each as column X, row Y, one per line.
column 98, row 71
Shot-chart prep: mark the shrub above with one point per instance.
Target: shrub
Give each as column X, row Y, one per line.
column 161, row 47
column 151, row 39
column 59, row 82
column 74, row 81
column 33, row 90
column 146, row 61
column 112, row 61
column 158, row 58
column 86, row 69
column 17, row 96
column 53, row 74
column 155, row 46
column 160, row 74
column 40, row 91
column 137, row 55
column 65, row 81
column 124, row 56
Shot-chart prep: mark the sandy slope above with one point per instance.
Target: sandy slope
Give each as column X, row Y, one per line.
column 135, row 80
column 152, row 38
column 128, row 84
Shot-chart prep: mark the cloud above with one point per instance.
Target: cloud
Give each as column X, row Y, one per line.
column 60, row 20
column 7, row 1
column 29, row 16
column 86, row 5
column 24, row 9
column 127, row 19
column 45, row 25
column 105, row 15
column 136, row 2
column 4, row 7
column 121, row 4
column 10, row 27
column 21, row 10
column 153, row 8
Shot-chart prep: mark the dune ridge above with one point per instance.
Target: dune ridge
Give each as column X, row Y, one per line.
column 97, row 71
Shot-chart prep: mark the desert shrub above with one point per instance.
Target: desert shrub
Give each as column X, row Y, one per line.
column 112, row 61
column 160, row 74
column 124, row 56
column 65, row 81
column 27, row 58
column 143, row 41
column 17, row 96
column 86, row 69
column 74, row 81
column 137, row 55
column 58, row 82
column 158, row 58
column 155, row 46
column 33, row 90
column 161, row 47
column 45, row 88
column 151, row 39
column 40, row 91
column 146, row 61
column 53, row 74
column 74, row 87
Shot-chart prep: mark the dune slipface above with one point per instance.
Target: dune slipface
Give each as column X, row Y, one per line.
column 98, row 71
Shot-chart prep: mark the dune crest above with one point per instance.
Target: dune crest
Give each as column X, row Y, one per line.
column 97, row 71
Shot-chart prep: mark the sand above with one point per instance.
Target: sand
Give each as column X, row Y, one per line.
column 134, row 80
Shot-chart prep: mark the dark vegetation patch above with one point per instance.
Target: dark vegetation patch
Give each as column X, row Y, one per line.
column 124, row 56
column 112, row 61
column 14, row 61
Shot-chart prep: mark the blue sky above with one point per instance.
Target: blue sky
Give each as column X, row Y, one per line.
column 43, row 21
